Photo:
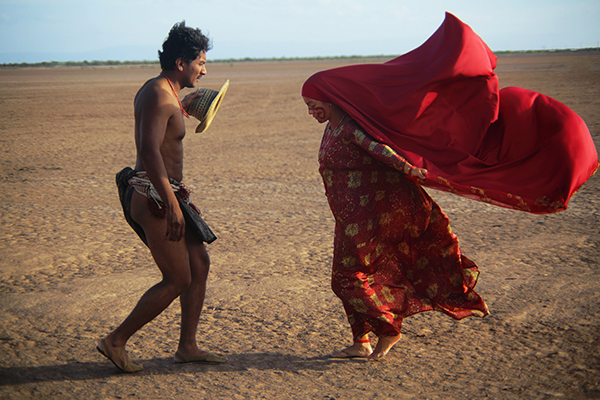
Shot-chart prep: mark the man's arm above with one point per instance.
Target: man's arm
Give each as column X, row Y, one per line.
column 154, row 119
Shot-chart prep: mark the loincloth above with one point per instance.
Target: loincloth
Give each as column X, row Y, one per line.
column 129, row 180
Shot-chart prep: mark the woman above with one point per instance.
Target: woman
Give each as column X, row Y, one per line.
column 394, row 252
column 435, row 117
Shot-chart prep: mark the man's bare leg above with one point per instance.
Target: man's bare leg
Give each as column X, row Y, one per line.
column 173, row 261
column 192, row 301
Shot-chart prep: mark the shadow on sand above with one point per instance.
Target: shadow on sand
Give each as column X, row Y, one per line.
column 79, row 371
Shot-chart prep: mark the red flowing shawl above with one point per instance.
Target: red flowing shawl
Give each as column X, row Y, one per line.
column 440, row 107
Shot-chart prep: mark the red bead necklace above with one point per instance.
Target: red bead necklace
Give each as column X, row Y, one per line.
column 176, row 96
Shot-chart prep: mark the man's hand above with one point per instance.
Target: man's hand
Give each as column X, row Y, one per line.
column 175, row 223
column 187, row 100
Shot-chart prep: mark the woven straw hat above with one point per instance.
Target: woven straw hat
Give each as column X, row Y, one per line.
column 204, row 108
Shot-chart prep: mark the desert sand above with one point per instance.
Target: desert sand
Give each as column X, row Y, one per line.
column 71, row 268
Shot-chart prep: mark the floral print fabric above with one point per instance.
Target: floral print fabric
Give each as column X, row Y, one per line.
column 394, row 252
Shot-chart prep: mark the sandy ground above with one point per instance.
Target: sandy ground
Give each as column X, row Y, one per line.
column 71, row 268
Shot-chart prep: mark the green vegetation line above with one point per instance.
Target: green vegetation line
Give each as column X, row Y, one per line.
column 109, row 63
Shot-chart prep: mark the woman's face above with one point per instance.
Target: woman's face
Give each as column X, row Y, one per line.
column 320, row 110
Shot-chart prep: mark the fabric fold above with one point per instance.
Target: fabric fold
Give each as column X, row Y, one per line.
column 440, row 107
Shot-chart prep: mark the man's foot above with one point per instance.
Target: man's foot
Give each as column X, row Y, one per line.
column 384, row 345
column 357, row 350
column 118, row 356
column 204, row 357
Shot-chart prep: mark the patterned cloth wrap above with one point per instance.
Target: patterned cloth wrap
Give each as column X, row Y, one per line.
column 129, row 180
column 394, row 252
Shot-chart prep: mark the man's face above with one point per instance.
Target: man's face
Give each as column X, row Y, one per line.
column 195, row 70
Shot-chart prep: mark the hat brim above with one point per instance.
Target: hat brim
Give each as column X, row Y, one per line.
column 212, row 109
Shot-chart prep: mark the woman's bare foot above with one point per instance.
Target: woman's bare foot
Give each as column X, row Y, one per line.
column 357, row 350
column 384, row 345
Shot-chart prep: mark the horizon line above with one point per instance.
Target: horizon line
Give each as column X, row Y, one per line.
column 259, row 59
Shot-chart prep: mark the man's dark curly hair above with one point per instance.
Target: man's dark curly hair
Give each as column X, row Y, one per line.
column 183, row 42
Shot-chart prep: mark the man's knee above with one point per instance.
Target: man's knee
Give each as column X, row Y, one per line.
column 199, row 259
column 204, row 260
column 179, row 283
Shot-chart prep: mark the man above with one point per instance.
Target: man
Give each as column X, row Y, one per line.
column 156, row 205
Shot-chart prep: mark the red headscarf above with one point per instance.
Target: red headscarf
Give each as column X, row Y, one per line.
column 439, row 107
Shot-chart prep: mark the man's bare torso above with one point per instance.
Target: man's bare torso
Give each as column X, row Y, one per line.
column 156, row 105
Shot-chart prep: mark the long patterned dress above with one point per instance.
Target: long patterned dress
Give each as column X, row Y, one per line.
column 394, row 252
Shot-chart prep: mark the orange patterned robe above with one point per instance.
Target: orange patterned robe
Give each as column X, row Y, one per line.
column 394, row 252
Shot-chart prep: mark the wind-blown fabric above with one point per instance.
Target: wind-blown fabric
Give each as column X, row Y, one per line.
column 394, row 252
column 440, row 107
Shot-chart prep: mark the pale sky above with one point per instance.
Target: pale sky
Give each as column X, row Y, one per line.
column 133, row 30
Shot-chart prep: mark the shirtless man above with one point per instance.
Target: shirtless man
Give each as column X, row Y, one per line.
column 154, row 202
